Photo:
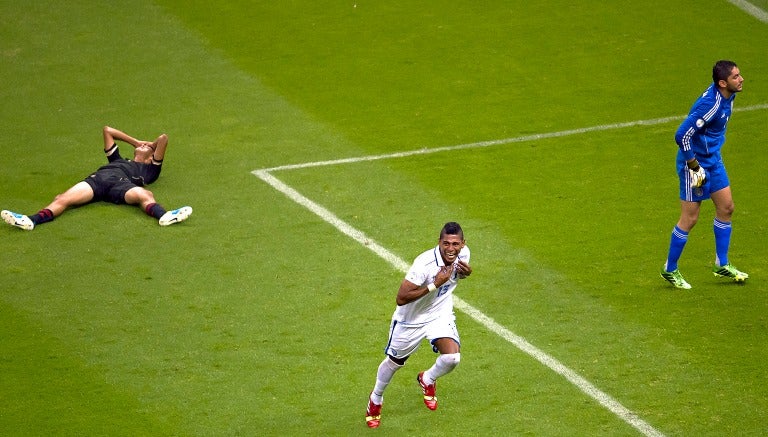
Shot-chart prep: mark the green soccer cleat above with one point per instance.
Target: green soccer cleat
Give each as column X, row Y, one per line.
column 675, row 278
column 729, row 271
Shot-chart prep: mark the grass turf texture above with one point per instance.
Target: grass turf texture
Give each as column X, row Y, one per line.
column 256, row 317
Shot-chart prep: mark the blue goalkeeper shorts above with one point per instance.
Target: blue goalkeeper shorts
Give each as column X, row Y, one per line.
column 717, row 179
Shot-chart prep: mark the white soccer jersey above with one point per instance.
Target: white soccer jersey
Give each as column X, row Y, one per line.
column 436, row 303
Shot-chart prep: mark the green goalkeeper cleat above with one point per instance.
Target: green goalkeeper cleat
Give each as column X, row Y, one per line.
column 675, row 278
column 729, row 271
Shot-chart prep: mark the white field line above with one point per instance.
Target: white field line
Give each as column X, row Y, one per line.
column 751, row 9
column 582, row 384
column 525, row 138
column 331, row 218
column 574, row 378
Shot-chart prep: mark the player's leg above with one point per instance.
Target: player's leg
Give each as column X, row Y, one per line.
column 78, row 194
column 450, row 355
column 689, row 215
column 403, row 341
column 384, row 374
column 448, row 359
column 723, row 200
column 690, row 204
column 145, row 199
column 444, row 337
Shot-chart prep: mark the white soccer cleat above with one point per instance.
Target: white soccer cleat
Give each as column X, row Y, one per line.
column 176, row 216
column 18, row 220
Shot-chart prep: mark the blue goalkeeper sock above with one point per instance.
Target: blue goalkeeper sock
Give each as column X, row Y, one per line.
column 722, row 241
column 676, row 246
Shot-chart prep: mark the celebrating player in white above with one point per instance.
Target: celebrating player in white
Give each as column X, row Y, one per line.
column 425, row 310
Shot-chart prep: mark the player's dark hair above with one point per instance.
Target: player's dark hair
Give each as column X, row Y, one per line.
column 722, row 70
column 452, row 228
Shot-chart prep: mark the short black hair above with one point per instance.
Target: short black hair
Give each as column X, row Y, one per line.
column 452, row 228
column 722, row 70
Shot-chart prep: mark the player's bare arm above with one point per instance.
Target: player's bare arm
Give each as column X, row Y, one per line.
column 158, row 147
column 111, row 135
column 409, row 291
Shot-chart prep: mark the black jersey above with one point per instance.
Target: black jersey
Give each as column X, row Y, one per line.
column 138, row 173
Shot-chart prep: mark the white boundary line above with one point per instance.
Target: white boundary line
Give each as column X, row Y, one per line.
column 552, row 363
column 751, row 9
column 525, row 138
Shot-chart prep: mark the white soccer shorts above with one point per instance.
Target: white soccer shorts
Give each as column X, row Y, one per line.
column 405, row 340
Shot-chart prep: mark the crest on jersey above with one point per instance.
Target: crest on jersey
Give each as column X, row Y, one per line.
column 700, row 123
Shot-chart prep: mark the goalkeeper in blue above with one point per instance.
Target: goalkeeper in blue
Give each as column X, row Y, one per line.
column 702, row 173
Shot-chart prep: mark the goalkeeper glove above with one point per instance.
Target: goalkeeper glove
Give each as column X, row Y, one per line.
column 698, row 176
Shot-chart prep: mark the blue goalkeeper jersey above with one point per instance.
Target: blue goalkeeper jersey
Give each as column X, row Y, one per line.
column 702, row 133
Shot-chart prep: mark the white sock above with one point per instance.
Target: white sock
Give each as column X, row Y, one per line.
column 443, row 365
column 384, row 375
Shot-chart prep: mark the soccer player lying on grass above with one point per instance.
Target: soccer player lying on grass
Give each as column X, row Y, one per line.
column 424, row 310
column 121, row 181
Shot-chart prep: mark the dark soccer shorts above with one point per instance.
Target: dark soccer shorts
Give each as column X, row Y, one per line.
column 109, row 185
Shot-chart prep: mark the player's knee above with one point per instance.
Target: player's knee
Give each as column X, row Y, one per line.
column 64, row 199
column 687, row 221
column 726, row 210
column 451, row 360
column 144, row 195
column 139, row 196
column 398, row 361
column 149, row 196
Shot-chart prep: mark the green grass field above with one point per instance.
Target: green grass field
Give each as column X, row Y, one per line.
column 259, row 317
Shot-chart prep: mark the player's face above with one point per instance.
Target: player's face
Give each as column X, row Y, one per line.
column 450, row 246
column 735, row 81
column 142, row 154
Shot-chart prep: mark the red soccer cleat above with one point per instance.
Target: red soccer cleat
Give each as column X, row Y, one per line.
column 430, row 398
column 373, row 414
